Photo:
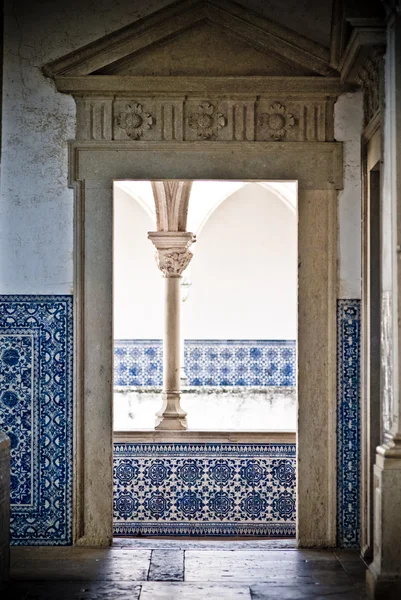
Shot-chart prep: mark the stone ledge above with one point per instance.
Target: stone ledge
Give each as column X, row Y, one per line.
column 240, row 437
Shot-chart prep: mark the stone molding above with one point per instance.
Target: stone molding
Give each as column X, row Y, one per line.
column 172, row 251
column 363, row 40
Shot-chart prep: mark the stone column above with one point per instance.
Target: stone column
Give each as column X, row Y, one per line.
column 173, row 256
column 384, row 575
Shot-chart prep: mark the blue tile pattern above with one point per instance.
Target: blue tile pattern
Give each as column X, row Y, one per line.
column 348, row 423
column 209, row 362
column 36, row 339
column 204, row 489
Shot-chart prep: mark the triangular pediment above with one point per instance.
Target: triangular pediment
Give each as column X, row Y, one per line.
column 198, row 38
column 203, row 49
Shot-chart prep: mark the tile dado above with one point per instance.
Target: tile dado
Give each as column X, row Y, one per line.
column 36, row 347
column 348, row 422
column 209, row 362
column 36, row 340
column 204, row 489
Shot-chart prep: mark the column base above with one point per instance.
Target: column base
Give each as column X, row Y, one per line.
column 171, row 417
column 382, row 586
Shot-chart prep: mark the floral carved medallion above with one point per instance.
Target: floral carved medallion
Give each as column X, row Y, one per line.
column 134, row 121
column 206, row 122
column 277, row 121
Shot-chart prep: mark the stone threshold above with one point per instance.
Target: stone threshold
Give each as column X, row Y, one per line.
column 198, row 436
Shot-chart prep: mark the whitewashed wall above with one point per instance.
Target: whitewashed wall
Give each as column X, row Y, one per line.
column 36, row 210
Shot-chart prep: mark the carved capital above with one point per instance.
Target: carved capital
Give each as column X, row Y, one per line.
column 172, row 263
column 173, row 254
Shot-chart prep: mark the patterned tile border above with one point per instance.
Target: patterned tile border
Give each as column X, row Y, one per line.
column 204, row 489
column 209, row 362
column 348, row 423
column 36, row 346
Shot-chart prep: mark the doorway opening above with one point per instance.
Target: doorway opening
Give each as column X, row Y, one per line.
column 236, row 475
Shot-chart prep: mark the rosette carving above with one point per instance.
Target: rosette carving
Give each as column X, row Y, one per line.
column 134, row 120
column 277, row 120
column 206, row 122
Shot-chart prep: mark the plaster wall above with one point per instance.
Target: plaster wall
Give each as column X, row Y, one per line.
column 347, row 129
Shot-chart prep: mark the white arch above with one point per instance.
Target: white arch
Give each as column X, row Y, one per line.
column 209, row 195
column 141, row 191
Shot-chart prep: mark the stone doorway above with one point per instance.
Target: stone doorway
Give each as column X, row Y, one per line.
column 267, row 116
column 316, row 321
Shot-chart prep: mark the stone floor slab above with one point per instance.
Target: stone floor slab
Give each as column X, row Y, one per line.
column 90, row 565
column 205, row 544
column 306, row 592
column 86, row 590
column 250, row 566
column 191, row 591
column 166, row 565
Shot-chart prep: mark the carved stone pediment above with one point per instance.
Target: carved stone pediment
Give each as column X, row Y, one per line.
column 201, row 70
column 198, row 38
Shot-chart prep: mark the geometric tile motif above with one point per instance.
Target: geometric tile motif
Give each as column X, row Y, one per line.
column 138, row 362
column 204, row 489
column 348, row 422
column 209, row 362
column 36, row 383
column 16, row 409
column 241, row 362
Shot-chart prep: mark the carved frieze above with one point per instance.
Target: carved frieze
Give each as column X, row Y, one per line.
column 211, row 119
column 369, row 80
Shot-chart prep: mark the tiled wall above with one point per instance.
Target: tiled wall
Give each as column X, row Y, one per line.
column 209, row 362
column 204, row 489
column 348, row 422
column 36, row 341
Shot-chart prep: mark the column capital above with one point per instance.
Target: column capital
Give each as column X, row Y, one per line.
column 173, row 254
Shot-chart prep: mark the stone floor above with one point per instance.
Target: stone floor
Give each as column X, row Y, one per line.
column 149, row 569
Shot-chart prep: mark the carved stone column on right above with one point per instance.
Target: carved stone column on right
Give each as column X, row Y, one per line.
column 384, row 575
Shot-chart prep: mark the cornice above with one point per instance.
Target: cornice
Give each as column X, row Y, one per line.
column 360, row 45
column 112, row 85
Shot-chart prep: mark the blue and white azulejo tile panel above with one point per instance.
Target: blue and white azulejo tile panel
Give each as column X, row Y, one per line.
column 209, row 362
column 36, row 340
column 348, row 422
column 204, row 489
column 138, row 362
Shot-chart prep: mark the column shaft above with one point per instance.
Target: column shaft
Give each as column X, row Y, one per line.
column 173, row 257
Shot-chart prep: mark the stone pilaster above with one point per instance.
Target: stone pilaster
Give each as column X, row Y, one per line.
column 172, row 256
column 384, row 575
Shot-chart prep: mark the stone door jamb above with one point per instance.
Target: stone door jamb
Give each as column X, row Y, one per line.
column 94, row 165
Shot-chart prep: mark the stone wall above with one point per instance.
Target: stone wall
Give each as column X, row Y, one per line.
column 4, row 506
